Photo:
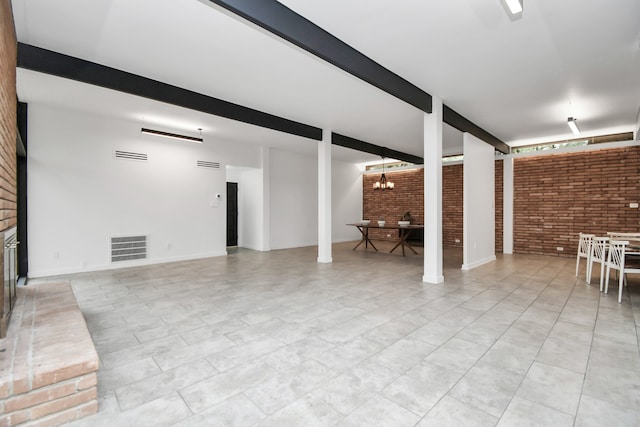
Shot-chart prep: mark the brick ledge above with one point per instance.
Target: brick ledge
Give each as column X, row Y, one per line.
column 48, row 367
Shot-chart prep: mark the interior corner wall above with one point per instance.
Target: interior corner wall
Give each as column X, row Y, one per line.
column 294, row 199
column 479, row 202
column 251, row 207
column 452, row 205
column 346, row 203
column 80, row 195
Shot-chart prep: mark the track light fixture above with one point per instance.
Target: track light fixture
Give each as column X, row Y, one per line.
column 174, row 135
column 571, row 121
column 515, row 6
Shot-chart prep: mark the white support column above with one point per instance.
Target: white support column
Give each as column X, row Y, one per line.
column 266, row 199
column 433, row 194
column 324, row 198
column 479, row 189
column 507, row 205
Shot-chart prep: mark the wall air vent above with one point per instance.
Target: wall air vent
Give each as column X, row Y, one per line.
column 128, row 248
column 205, row 164
column 129, row 155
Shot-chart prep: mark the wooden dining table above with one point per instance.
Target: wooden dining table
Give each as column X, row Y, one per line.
column 405, row 231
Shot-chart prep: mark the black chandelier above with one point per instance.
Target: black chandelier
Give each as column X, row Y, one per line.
column 383, row 184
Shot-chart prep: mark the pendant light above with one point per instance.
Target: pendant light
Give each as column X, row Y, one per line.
column 383, row 184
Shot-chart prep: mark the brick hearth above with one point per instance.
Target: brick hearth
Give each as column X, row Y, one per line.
column 48, row 362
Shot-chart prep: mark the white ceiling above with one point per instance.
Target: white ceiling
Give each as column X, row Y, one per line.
column 518, row 78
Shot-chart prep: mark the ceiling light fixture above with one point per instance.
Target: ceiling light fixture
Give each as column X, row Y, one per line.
column 383, row 184
column 174, row 135
column 515, row 6
column 571, row 121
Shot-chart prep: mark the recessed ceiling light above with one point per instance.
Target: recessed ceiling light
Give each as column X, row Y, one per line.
column 515, row 6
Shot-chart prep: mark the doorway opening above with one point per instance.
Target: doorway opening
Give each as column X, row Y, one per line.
column 232, row 214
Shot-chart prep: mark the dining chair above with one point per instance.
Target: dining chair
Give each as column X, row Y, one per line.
column 616, row 261
column 584, row 249
column 598, row 254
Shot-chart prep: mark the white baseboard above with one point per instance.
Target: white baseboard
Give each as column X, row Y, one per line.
column 120, row 265
column 478, row 263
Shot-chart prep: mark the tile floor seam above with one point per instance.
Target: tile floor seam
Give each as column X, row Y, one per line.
column 185, row 403
column 342, row 373
column 586, row 369
column 530, row 365
column 462, row 403
column 266, row 416
column 555, row 409
column 409, row 369
column 540, row 349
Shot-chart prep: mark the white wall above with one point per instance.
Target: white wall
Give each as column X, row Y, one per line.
column 80, row 195
column 479, row 203
column 452, row 141
column 250, row 204
column 294, row 199
column 346, row 200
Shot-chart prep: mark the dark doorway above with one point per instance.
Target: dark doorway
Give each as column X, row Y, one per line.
column 232, row 214
column 21, row 178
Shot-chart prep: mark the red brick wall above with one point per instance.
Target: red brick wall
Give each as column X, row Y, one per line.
column 453, row 201
column 558, row 196
column 452, row 205
column 408, row 195
column 8, row 53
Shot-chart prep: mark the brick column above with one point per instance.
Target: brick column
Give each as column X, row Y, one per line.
column 8, row 122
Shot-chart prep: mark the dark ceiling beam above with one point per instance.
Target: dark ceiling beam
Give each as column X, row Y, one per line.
column 69, row 67
column 285, row 23
column 366, row 147
column 457, row 121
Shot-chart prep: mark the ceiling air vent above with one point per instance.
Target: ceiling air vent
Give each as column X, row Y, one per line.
column 130, row 155
column 205, row 164
column 128, row 247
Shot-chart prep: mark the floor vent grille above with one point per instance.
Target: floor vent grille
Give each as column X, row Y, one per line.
column 205, row 164
column 130, row 155
column 128, row 247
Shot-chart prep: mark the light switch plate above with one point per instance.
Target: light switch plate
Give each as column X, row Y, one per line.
column 633, row 205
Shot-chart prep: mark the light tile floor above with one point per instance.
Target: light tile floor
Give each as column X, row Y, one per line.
column 276, row 339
